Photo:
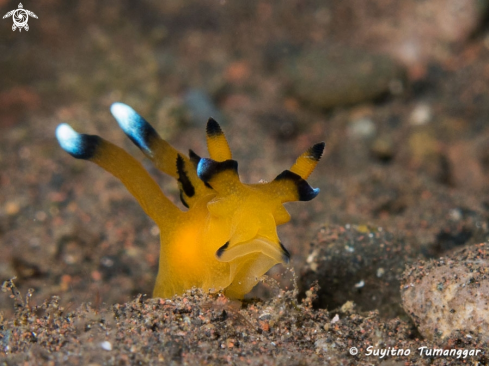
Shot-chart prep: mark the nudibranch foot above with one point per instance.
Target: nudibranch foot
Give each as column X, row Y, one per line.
column 227, row 239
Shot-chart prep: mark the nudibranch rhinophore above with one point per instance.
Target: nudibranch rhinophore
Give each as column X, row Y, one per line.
column 227, row 239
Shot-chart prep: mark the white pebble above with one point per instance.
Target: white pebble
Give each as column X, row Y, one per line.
column 380, row 272
column 106, row 346
column 421, row 115
column 360, row 284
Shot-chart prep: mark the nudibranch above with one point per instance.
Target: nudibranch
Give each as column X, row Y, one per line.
column 227, row 239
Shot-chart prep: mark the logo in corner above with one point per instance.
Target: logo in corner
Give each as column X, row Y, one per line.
column 20, row 17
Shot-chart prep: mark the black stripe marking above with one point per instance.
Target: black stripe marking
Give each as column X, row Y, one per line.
column 222, row 250
column 316, row 151
column 213, row 129
column 304, row 190
column 208, row 168
column 183, row 200
column 194, row 158
column 187, row 186
column 286, row 254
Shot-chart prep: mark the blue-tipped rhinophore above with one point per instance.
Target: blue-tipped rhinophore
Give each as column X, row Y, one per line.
column 77, row 145
column 207, row 168
column 134, row 126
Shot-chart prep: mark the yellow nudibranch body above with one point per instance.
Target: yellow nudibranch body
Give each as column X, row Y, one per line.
column 227, row 239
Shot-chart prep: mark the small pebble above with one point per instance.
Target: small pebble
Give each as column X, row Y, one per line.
column 421, row 115
column 360, row 284
column 106, row 345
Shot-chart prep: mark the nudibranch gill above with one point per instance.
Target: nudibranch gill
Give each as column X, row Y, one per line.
column 227, row 239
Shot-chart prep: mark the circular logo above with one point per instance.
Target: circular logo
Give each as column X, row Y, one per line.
column 20, row 18
column 353, row 351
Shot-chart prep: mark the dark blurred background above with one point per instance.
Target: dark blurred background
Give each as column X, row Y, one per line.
column 398, row 90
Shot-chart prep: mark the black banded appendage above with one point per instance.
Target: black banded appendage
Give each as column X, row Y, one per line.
column 207, row 168
column 87, row 147
column 143, row 137
column 187, row 186
column 139, row 131
column 213, row 128
column 222, row 250
column 80, row 146
column 316, row 151
column 286, row 254
column 304, row 190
